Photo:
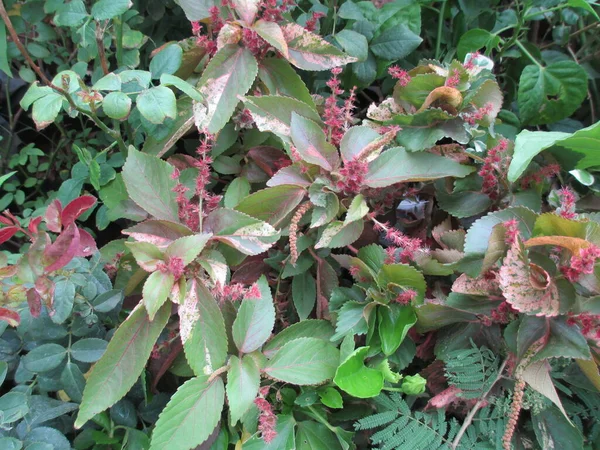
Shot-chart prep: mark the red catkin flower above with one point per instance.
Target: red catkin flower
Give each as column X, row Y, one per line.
column 580, row 264
column 470, row 64
column 454, row 79
column 267, row 420
column 539, row 175
column 399, row 74
column 311, row 24
column 495, row 164
column 479, row 114
column 353, row 175
column 406, row 297
column 567, row 203
column 511, row 231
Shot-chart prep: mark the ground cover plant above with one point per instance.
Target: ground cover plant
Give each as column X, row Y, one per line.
column 262, row 224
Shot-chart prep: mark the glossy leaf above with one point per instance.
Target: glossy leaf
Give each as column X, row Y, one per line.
column 353, row 377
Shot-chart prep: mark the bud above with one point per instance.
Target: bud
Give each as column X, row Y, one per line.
column 413, row 384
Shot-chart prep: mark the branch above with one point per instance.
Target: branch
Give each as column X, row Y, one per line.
column 475, row 408
column 100, row 44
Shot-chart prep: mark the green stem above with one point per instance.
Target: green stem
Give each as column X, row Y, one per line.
column 544, row 12
column 438, row 43
column 321, row 419
column 119, row 38
column 529, row 55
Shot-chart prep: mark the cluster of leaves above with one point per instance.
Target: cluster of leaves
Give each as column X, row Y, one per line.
column 290, row 252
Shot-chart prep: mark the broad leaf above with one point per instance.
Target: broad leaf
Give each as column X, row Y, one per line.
column 107, row 9
column 526, row 286
column 122, row 363
column 229, row 74
column 243, row 381
column 320, row 329
column 272, row 205
column 156, row 291
column 255, row 320
column 149, row 184
column 337, row 234
column 272, row 33
column 242, row 232
column 396, row 165
column 190, row 416
column 537, row 375
column 157, row 232
column 395, row 43
column 202, row 330
column 157, row 104
column 393, row 276
column 394, row 323
column 549, row 94
column 303, row 361
column 311, row 143
column 310, row 52
column 304, row 294
column 553, row 431
column 355, row 140
column 187, row 248
column 353, row 377
column 281, row 79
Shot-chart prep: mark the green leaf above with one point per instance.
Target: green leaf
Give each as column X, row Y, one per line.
column 149, row 184
column 311, row 143
column 330, row 397
column 272, row 205
column 350, row 318
column 255, row 320
column 304, row 294
column 353, row 43
column 353, row 377
column 320, row 329
column 272, row 33
column 44, row 358
column 122, row 363
column 46, row 109
column 70, row 14
column 281, row 79
column 109, row 82
column 527, row 145
column 13, row 406
column 196, row 10
column 156, row 291
column 157, row 104
column 188, row 247
column 3, row 371
column 274, row 113
column 159, row 145
column 461, row 204
column 315, row 436
column 397, row 165
column 355, row 140
column 238, row 189
column 303, row 361
column 357, row 210
column 549, row 94
column 394, row 323
column 405, row 276
column 190, row 416
column 4, row 64
column 308, row 51
column 116, row 105
column 240, row 231
column 475, row 39
column 337, row 234
column 108, row 9
column 171, row 80
column 243, row 381
column 228, row 75
column 88, row 350
column 553, row 430
column 206, row 347
column 478, row 235
column 167, row 61
column 395, row 43
column 73, row 381
column 583, row 5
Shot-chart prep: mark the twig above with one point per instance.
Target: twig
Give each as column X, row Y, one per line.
column 475, row 408
column 100, row 44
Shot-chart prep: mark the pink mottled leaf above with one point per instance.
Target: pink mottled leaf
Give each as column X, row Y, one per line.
column 476, row 286
column 63, row 250
column 310, row 52
column 35, row 302
column 76, row 208
column 87, row 244
column 12, row 317
column 53, row 216
column 527, row 287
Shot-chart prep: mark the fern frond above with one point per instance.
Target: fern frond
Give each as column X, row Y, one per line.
column 472, row 370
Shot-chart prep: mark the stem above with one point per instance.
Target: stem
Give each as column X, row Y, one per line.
column 438, row 43
column 119, row 38
column 475, row 408
column 544, row 12
column 100, row 43
column 217, row 372
column 321, row 419
column 529, row 55
column 15, row 37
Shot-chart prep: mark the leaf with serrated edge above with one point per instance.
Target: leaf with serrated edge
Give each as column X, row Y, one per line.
column 120, row 366
column 310, row 52
column 156, row 290
column 243, row 381
column 304, row 361
column 188, row 248
column 190, row 416
column 339, row 235
column 202, row 330
column 255, row 320
column 272, row 205
column 516, row 276
column 537, row 375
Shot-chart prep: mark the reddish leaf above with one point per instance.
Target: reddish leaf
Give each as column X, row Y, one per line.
column 5, row 220
column 53, row 216
column 87, row 244
column 12, row 317
column 476, row 286
column 63, row 250
column 572, row 244
column 269, row 159
column 76, row 208
column 8, row 271
column 45, row 289
column 35, row 302
column 158, row 232
column 444, row 398
column 7, row 233
column 250, row 270
column 33, row 224
column 527, row 287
